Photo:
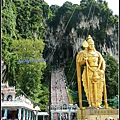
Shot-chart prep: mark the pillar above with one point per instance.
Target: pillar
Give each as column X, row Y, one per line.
column 33, row 115
column 19, row 113
column 5, row 112
column 26, row 114
column 51, row 116
column 29, row 115
column 60, row 116
column 69, row 116
column 23, row 114
column 36, row 115
column 43, row 117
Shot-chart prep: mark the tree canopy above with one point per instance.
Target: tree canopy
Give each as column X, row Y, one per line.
column 22, row 48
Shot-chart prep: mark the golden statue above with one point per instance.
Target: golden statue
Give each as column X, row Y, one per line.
column 93, row 76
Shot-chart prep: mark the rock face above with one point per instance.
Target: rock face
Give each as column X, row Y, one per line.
column 61, row 45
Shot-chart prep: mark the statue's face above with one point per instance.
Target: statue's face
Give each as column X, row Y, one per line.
column 91, row 46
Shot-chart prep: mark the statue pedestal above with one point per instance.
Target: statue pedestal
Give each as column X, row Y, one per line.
column 97, row 114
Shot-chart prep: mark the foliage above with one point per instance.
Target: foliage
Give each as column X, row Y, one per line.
column 47, row 13
column 71, row 14
column 30, row 18
column 22, row 29
column 114, row 102
column 70, row 71
column 73, row 95
column 9, row 18
column 111, row 76
column 29, row 75
column 60, row 11
column 54, row 9
column 70, row 97
column 9, row 58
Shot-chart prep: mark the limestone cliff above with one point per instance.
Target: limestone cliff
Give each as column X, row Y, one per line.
column 65, row 41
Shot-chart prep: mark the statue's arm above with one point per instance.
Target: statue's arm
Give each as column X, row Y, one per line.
column 102, row 64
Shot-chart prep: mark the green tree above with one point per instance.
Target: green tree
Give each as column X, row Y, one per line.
column 70, row 71
column 30, row 69
column 25, row 68
column 9, row 58
column 54, row 9
column 30, row 18
column 24, row 19
column 111, row 76
column 9, row 18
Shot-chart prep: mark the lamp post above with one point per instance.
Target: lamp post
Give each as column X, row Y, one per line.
column 37, row 109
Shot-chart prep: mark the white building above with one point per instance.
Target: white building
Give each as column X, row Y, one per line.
column 15, row 107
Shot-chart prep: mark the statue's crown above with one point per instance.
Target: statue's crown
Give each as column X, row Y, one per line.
column 90, row 40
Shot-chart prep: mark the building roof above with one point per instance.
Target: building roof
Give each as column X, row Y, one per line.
column 16, row 104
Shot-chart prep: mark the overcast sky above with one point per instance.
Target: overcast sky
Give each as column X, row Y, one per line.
column 112, row 4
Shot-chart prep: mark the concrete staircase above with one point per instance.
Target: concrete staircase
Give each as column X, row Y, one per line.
column 59, row 94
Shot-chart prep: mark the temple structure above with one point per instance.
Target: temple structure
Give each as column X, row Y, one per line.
column 13, row 107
